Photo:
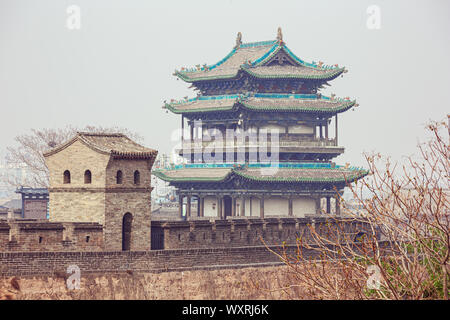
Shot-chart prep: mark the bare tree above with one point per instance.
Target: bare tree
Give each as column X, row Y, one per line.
column 28, row 152
column 402, row 248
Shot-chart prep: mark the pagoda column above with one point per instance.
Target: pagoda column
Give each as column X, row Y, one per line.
column 202, row 202
column 233, row 206
column 182, row 129
column 180, row 204
column 188, row 206
column 261, row 207
column 338, row 205
column 328, row 205
column 336, row 131
column 317, row 205
column 326, row 130
column 219, row 207
column 242, row 214
column 290, row 211
column 321, row 133
column 199, row 205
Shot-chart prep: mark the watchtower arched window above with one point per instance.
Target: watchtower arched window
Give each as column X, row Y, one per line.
column 87, row 176
column 67, row 176
column 119, row 177
column 137, row 177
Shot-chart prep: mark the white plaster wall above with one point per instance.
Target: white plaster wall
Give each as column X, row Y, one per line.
column 301, row 129
column 276, row 206
column 255, row 205
column 209, row 211
column 273, row 206
column 302, row 206
column 273, row 127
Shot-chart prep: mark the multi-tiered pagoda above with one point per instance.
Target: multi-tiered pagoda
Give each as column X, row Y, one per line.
column 277, row 161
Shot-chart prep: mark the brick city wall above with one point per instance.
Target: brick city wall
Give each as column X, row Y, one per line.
column 23, row 235
column 244, row 231
column 35, row 235
column 201, row 245
column 49, row 263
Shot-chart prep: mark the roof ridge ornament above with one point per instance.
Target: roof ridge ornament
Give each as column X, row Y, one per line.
column 238, row 40
column 279, row 36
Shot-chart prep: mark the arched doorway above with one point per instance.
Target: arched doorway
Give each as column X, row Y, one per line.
column 126, row 231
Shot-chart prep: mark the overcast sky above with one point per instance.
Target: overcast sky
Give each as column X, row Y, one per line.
column 117, row 68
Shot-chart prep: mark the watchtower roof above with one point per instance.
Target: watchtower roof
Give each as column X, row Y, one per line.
column 117, row 145
column 255, row 59
column 287, row 173
column 309, row 103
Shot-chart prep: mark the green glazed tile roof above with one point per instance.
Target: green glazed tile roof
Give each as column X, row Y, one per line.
column 116, row 144
column 251, row 57
column 262, row 102
column 293, row 174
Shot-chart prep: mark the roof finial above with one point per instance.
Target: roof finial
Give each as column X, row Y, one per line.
column 279, row 35
column 238, row 39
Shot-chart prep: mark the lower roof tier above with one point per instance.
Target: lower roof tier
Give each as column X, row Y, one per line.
column 264, row 102
column 297, row 173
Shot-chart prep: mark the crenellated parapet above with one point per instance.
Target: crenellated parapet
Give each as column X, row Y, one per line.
column 248, row 231
column 34, row 235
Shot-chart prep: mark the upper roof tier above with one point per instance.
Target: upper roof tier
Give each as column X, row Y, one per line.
column 265, row 102
column 117, row 145
column 265, row 60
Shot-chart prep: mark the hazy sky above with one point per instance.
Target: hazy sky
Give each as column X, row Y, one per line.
column 117, row 69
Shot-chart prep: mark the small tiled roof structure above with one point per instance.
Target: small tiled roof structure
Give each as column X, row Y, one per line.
column 118, row 145
column 251, row 58
column 262, row 102
column 32, row 191
column 293, row 174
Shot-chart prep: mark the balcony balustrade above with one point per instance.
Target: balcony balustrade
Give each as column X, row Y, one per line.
column 290, row 140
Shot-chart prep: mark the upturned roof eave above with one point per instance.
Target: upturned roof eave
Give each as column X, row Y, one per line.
column 148, row 154
column 160, row 174
column 327, row 76
column 273, row 48
column 245, row 105
column 345, row 179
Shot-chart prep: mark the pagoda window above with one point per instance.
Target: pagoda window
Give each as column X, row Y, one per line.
column 137, row 177
column 119, row 177
column 67, row 176
column 87, row 177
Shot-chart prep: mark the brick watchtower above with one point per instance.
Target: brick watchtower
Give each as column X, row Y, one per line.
column 103, row 178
